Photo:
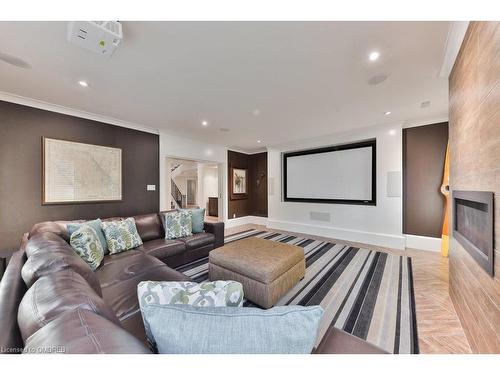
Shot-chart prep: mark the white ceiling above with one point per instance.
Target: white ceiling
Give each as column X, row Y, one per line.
column 305, row 78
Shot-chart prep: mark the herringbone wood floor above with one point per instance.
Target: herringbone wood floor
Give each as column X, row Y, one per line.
column 439, row 329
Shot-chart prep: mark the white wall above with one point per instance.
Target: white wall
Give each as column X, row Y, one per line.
column 184, row 148
column 379, row 225
column 208, row 183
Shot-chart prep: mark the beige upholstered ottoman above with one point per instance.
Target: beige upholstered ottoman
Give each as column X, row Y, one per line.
column 267, row 269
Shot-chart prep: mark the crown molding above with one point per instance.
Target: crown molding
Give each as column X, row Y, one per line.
column 456, row 34
column 39, row 104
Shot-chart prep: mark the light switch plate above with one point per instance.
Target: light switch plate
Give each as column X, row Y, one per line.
column 151, row 188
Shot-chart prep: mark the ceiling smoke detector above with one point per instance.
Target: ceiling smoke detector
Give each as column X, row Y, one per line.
column 102, row 37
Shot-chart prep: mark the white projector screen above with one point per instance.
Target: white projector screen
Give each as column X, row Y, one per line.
column 336, row 174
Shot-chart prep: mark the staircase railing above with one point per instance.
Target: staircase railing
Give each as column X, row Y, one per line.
column 176, row 194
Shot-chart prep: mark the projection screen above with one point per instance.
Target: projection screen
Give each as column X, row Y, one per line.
column 335, row 174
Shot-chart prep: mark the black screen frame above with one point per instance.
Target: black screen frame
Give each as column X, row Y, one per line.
column 349, row 146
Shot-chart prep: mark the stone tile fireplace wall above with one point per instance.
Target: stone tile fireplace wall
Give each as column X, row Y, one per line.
column 475, row 165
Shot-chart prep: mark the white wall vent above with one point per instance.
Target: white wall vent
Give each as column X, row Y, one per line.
column 102, row 37
column 320, row 216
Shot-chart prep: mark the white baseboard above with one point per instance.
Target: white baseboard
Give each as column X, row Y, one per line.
column 423, row 243
column 258, row 220
column 377, row 239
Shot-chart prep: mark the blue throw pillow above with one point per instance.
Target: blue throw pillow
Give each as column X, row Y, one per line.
column 198, row 219
column 94, row 224
column 233, row 330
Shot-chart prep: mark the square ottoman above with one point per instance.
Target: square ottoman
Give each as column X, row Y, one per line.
column 267, row 269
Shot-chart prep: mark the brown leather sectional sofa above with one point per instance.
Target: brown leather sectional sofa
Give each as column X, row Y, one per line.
column 52, row 302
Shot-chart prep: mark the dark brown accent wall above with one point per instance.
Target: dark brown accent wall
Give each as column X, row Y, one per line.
column 475, row 165
column 424, row 150
column 256, row 203
column 21, row 131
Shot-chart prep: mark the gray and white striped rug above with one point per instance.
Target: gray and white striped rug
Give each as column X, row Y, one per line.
column 366, row 293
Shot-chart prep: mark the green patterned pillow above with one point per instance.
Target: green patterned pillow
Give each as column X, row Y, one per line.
column 214, row 293
column 96, row 224
column 178, row 224
column 121, row 235
column 86, row 244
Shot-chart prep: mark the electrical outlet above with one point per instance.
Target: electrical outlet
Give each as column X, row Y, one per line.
column 151, row 187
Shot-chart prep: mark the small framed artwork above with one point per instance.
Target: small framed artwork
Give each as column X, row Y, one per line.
column 239, row 183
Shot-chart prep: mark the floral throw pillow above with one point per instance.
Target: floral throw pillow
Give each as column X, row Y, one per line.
column 178, row 224
column 121, row 235
column 213, row 294
column 85, row 242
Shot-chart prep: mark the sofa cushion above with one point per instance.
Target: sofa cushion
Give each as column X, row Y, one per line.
column 121, row 235
column 211, row 293
column 80, row 331
column 197, row 219
column 149, row 226
column 123, row 266
column 198, row 240
column 86, row 243
column 94, row 224
column 162, row 248
column 235, row 330
column 54, row 294
column 178, row 224
column 121, row 294
column 58, row 227
column 48, row 253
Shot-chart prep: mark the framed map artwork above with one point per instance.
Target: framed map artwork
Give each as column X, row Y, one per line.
column 74, row 172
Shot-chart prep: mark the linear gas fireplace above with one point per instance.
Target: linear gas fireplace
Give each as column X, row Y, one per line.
column 473, row 225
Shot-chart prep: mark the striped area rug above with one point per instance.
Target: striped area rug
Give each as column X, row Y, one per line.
column 366, row 293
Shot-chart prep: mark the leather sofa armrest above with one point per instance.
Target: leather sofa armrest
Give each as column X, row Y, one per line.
column 24, row 241
column 12, row 289
column 217, row 229
column 336, row 341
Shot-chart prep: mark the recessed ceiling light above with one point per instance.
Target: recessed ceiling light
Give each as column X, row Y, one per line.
column 374, row 56
column 392, row 132
column 387, row 113
column 204, row 123
column 258, row 141
column 83, row 83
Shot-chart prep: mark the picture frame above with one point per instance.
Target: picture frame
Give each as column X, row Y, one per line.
column 238, row 183
column 55, row 169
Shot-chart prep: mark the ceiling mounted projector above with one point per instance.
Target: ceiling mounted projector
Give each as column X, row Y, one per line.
column 102, row 37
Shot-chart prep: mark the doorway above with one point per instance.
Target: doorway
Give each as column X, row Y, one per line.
column 194, row 184
column 191, row 192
